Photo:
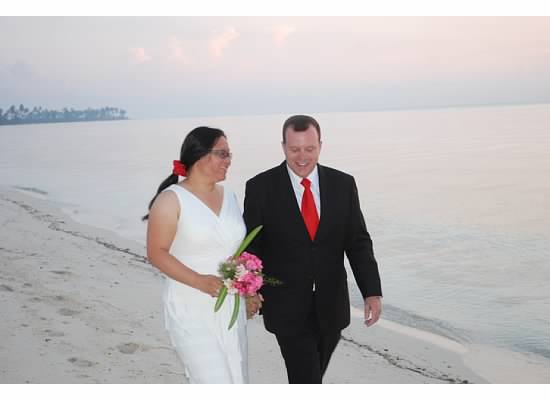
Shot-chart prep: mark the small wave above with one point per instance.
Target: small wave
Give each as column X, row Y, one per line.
column 534, row 349
column 432, row 325
column 32, row 190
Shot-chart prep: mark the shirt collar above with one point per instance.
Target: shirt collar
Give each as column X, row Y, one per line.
column 313, row 176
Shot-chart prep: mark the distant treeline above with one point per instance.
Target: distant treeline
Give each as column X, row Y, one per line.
column 23, row 115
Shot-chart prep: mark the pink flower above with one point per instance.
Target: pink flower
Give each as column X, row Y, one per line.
column 252, row 266
column 248, row 284
column 251, row 262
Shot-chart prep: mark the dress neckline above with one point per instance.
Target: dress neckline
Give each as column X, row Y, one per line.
column 204, row 204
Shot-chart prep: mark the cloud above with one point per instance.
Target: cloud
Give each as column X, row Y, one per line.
column 176, row 52
column 218, row 44
column 139, row 55
column 21, row 71
column 281, row 34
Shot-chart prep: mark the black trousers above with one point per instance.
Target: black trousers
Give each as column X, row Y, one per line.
column 308, row 352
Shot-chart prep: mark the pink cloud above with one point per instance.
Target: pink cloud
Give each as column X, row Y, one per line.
column 220, row 42
column 177, row 52
column 281, row 34
column 139, row 55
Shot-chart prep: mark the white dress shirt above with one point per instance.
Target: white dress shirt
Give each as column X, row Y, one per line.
column 299, row 189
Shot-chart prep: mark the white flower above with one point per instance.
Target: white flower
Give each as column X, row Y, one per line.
column 228, row 283
column 241, row 271
column 232, row 290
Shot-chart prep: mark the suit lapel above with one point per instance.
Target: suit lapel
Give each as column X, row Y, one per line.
column 326, row 200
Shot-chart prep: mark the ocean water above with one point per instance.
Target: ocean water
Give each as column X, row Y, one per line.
column 456, row 200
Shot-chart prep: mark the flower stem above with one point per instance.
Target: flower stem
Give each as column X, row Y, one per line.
column 221, row 298
column 235, row 311
column 249, row 238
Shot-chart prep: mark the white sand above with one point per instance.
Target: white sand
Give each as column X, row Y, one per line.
column 81, row 305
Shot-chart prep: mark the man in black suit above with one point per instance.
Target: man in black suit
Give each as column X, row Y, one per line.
column 311, row 217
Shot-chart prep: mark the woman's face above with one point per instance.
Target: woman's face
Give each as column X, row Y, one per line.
column 217, row 162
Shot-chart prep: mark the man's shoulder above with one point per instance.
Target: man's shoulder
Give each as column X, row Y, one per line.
column 265, row 175
column 275, row 172
column 333, row 173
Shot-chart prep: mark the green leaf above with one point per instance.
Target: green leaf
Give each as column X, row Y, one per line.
column 249, row 238
column 221, row 298
column 235, row 311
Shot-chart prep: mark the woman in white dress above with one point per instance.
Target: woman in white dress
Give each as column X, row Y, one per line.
column 193, row 225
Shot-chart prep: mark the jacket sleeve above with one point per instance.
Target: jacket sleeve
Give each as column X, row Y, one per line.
column 359, row 250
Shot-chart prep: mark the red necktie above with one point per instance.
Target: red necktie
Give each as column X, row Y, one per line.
column 309, row 211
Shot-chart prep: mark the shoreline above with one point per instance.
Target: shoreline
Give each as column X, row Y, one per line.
column 84, row 306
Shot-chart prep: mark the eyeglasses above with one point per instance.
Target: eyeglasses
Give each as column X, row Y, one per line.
column 223, row 154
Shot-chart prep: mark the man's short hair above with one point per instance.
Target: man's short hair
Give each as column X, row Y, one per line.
column 301, row 123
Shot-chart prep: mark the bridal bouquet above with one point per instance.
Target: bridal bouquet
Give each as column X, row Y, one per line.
column 242, row 276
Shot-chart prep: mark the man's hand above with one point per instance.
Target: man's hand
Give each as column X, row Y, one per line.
column 373, row 308
column 253, row 305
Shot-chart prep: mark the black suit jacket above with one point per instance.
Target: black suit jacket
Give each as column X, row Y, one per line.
column 290, row 255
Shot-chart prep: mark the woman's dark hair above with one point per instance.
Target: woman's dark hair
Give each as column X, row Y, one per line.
column 196, row 145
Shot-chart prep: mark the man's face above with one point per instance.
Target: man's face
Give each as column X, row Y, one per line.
column 302, row 150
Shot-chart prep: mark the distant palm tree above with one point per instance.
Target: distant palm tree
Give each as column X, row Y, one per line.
column 22, row 114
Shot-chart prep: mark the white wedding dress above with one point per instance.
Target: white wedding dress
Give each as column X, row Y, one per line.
column 209, row 351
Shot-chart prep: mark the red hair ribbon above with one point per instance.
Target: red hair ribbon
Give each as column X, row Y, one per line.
column 179, row 168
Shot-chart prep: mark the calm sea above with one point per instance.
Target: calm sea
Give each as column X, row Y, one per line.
column 457, row 200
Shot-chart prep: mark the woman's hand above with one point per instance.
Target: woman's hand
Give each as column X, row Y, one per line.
column 253, row 305
column 209, row 284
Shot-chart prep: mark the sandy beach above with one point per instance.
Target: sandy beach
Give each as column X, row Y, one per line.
column 82, row 305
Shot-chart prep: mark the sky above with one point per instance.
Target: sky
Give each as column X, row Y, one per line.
column 169, row 67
